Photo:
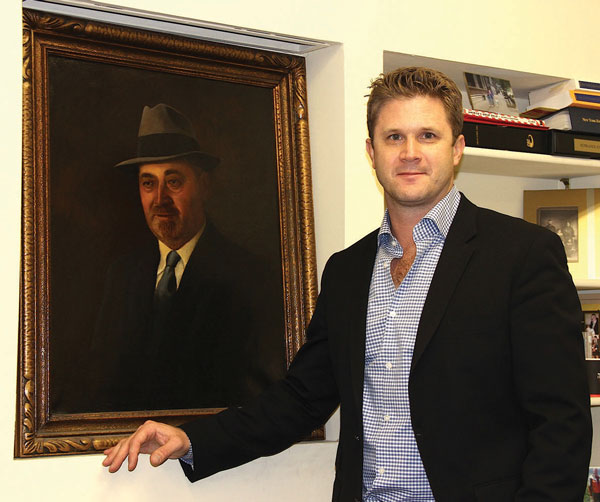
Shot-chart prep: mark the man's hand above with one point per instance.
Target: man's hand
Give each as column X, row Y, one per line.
column 161, row 441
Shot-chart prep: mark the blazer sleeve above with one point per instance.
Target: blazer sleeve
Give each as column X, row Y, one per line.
column 549, row 374
column 282, row 415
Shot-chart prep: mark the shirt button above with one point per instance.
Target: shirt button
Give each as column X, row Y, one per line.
column 388, row 366
column 381, row 470
column 386, row 418
column 394, row 243
column 393, row 313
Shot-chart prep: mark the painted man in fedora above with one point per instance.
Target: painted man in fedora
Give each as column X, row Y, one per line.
column 180, row 322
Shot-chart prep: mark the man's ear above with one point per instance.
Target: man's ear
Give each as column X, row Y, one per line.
column 458, row 149
column 370, row 150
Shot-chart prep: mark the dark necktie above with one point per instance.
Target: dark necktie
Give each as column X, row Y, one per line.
column 161, row 321
column 168, row 284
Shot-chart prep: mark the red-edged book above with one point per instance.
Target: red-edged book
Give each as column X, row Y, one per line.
column 505, row 132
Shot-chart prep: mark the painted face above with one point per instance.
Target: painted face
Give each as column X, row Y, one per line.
column 173, row 195
column 413, row 153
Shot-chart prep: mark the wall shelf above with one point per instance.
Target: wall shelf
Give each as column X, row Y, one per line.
column 590, row 285
column 526, row 165
column 522, row 82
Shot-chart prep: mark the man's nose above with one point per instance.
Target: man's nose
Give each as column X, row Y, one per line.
column 162, row 194
column 411, row 149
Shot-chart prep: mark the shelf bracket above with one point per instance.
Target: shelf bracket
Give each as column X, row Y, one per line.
column 566, row 182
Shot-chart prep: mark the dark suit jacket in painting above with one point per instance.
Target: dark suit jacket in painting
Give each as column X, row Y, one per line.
column 223, row 342
column 498, row 392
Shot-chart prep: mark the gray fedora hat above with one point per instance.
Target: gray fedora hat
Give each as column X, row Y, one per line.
column 166, row 134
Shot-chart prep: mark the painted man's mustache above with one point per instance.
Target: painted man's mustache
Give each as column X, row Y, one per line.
column 164, row 210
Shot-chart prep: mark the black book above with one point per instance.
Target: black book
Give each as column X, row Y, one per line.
column 574, row 118
column 500, row 137
column 593, row 372
column 575, row 144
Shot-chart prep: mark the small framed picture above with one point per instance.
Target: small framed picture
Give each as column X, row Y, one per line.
column 563, row 221
column 592, row 491
column 490, row 94
column 591, row 334
column 574, row 215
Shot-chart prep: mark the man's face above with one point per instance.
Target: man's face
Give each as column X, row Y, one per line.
column 413, row 153
column 173, row 195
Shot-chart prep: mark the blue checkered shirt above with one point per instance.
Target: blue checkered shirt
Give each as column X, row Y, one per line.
column 392, row 466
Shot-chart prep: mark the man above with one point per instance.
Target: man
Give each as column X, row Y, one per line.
column 549, row 225
column 444, row 392
column 181, row 324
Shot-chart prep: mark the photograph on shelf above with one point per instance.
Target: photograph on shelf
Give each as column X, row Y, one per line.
column 574, row 215
column 591, row 346
column 592, row 491
column 563, row 222
column 590, row 331
column 490, row 94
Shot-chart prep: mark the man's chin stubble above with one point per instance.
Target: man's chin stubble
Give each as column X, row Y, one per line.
column 167, row 230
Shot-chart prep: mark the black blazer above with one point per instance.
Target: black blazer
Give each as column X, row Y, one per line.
column 498, row 392
column 212, row 352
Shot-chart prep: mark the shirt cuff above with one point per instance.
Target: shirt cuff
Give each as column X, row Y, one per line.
column 188, row 458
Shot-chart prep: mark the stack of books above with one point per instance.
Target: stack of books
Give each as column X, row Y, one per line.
column 571, row 109
column 504, row 132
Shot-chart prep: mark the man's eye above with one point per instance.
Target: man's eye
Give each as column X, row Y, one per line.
column 394, row 137
column 147, row 184
column 174, row 183
column 429, row 135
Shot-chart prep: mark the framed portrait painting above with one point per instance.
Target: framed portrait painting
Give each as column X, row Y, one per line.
column 137, row 144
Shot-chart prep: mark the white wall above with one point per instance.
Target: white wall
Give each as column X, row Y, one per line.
column 539, row 36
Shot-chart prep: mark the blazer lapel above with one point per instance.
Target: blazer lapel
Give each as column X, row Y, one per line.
column 451, row 265
column 357, row 312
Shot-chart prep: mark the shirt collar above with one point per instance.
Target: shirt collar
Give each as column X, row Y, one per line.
column 184, row 251
column 442, row 215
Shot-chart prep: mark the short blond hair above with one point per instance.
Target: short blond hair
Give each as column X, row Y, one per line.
column 411, row 81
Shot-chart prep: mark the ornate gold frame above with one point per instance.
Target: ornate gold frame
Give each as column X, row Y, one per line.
column 39, row 432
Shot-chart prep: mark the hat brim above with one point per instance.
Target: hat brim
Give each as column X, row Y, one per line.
column 201, row 159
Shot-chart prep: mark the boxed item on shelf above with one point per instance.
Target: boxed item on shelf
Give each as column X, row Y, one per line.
column 575, row 144
column 593, row 371
column 574, row 118
column 504, row 132
column 501, row 137
column 566, row 93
